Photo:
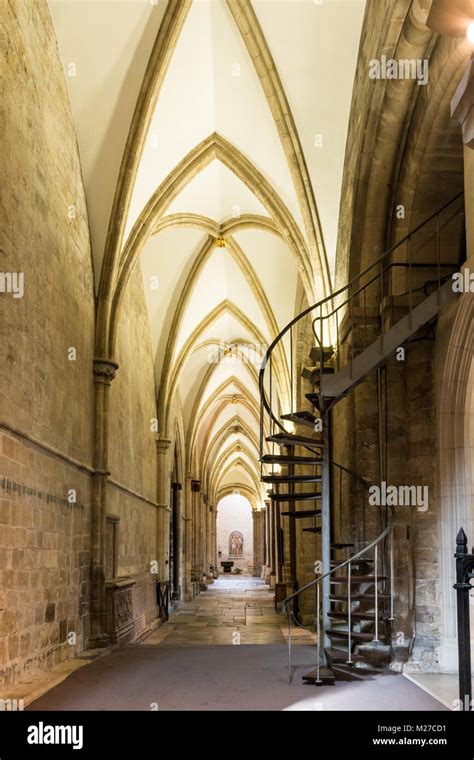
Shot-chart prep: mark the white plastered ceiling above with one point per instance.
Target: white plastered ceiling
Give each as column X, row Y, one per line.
column 244, row 293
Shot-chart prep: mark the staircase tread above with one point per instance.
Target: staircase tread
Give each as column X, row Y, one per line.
column 293, row 496
column 357, row 597
column 315, row 353
column 303, row 415
column 291, row 438
column 303, row 513
column 337, row 655
column 358, row 578
column 355, row 635
column 313, row 370
column 283, row 458
column 291, row 479
column 325, row 674
column 357, row 616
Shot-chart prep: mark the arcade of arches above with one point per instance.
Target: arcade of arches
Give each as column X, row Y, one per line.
column 179, row 181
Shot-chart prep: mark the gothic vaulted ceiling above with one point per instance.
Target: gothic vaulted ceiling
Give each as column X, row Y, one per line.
column 240, row 112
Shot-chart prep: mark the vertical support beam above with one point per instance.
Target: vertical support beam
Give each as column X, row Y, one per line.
column 255, row 542
column 265, row 537
column 325, row 526
column 104, row 372
column 463, row 587
column 278, row 541
column 197, row 518
column 292, row 532
column 272, row 543
column 258, row 541
column 188, row 538
column 204, row 536
column 163, row 515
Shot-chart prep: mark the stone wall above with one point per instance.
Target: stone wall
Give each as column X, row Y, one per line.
column 46, row 354
column 132, row 492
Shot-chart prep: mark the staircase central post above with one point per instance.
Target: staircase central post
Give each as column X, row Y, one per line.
column 325, row 526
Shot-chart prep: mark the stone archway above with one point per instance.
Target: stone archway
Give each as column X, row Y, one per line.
column 454, row 374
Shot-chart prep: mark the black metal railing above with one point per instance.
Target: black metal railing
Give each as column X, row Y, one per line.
column 360, row 291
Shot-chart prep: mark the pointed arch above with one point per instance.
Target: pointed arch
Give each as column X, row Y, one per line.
column 254, row 39
column 198, row 221
column 230, row 488
column 172, row 371
column 197, row 414
column 225, row 432
column 213, row 147
column 170, row 28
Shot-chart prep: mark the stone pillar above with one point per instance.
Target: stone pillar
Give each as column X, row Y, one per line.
column 258, row 541
column 210, row 540
column 188, row 538
column 215, row 558
column 203, row 535
column 272, row 534
column 196, row 511
column 104, row 372
column 163, row 516
column 266, row 574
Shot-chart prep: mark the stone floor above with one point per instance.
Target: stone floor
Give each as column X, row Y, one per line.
column 225, row 650
column 235, row 610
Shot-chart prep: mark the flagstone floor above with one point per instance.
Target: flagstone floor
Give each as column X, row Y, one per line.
column 236, row 610
column 190, row 663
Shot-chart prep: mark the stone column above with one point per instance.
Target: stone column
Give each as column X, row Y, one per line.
column 104, row 372
column 210, row 540
column 163, row 515
column 214, row 558
column 258, row 541
column 267, row 569
column 273, row 558
column 203, row 534
column 188, row 545
column 196, row 502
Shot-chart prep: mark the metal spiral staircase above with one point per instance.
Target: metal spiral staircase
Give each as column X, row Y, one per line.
column 353, row 593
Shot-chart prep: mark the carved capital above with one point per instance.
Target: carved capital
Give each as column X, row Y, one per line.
column 104, row 370
column 162, row 445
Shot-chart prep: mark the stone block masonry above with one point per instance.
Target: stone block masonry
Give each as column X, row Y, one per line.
column 47, row 423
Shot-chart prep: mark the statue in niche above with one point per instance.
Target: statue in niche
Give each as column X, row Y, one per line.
column 236, row 544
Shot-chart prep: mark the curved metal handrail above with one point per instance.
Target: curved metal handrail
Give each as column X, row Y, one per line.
column 352, row 558
column 332, row 296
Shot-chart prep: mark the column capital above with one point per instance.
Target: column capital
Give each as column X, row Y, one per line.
column 163, row 444
column 104, row 370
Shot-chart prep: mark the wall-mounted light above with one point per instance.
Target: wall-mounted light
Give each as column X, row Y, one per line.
column 470, row 32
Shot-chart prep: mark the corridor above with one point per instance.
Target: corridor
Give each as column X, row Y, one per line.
column 236, row 335
column 222, row 665
column 236, row 610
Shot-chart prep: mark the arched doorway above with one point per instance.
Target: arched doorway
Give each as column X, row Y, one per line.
column 455, row 422
column 235, row 532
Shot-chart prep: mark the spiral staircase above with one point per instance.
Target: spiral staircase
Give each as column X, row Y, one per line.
column 353, row 589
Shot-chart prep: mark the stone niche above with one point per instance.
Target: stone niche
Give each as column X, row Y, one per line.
column 119, row 610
